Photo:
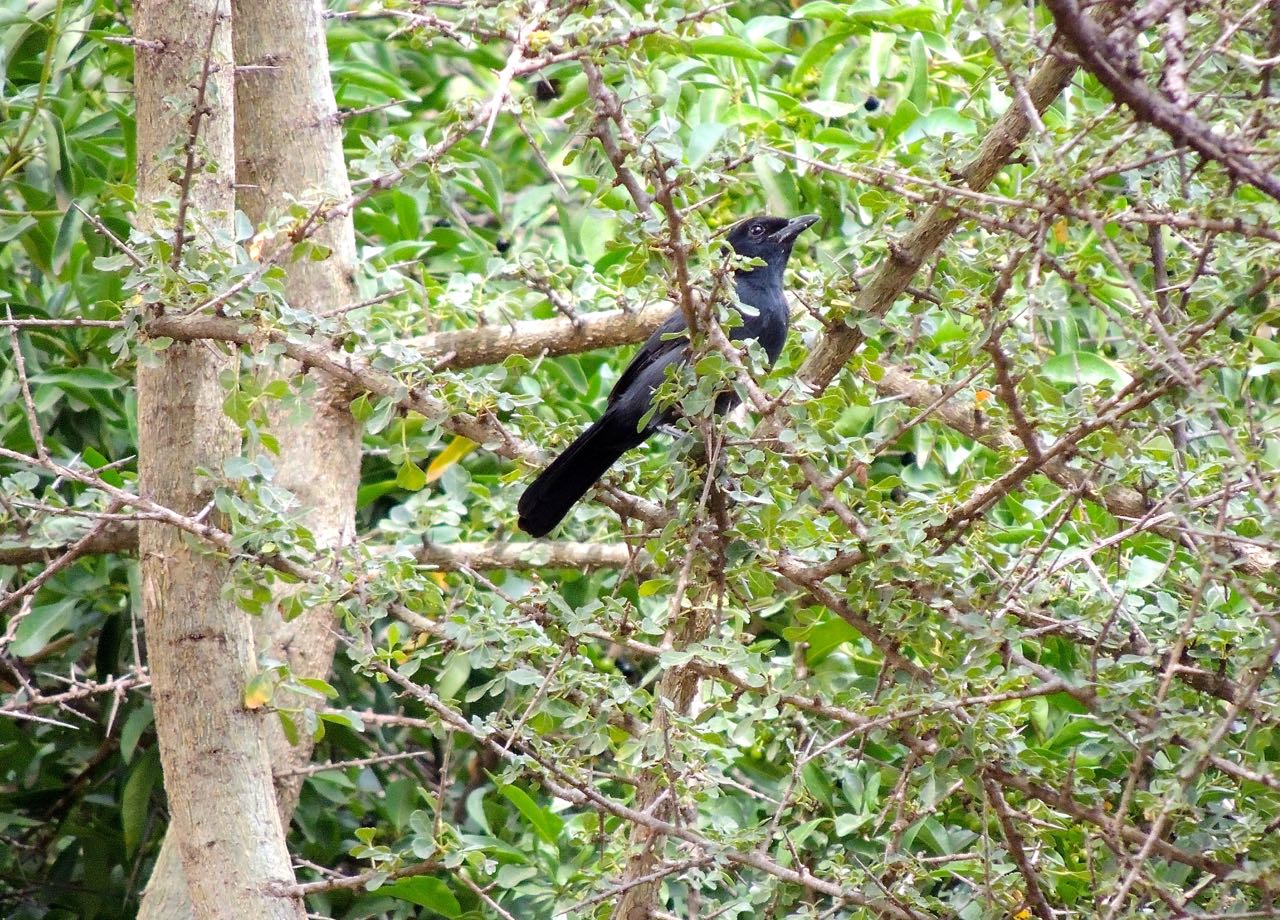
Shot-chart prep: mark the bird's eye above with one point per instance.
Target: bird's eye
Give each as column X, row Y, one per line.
column 757, row 230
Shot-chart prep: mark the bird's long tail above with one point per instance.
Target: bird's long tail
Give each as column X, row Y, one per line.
column 549, row 497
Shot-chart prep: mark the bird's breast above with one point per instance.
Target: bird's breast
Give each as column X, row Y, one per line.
column 764, row 316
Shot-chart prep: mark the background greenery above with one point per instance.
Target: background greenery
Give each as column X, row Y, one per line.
column 1041, row 624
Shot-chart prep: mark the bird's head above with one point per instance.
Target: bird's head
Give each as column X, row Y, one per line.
column 768, row 238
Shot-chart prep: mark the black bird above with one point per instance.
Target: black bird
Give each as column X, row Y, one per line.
column 545, row 503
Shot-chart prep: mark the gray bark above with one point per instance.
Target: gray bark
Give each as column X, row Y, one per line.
column 288, row 142
column 200, row 646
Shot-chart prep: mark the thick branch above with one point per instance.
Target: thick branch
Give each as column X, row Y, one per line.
column 1101, row 56
column 465, row 348
column 527, row 555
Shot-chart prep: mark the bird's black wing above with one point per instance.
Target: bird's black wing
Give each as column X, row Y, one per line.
column 549, row 498
column 657, row 350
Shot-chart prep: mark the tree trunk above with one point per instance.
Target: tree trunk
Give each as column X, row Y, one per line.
column 200, row 645
column 289, row 143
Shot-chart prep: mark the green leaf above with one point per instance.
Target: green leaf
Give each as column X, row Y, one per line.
column 288, row 726
column 919, row 92
column 510, row 876
column 372, row 491
column 832, row 108
column 381, row 416
column 348, row 718
column 727, row 46
column 868, row 13
column 410, row 477
column 880, row 49
column 425, row 891
column 361, row 408
column 702, row 140
column 818, row 782
column 135, row 800
column 68, row 234
column 826, row 637
column 475, row 808
column 139, row 721
column 848, row 822
column 82, row 378
column 903, row 116
column 454, row 675
column 54, row 150
column 321, row 689
column 939, row 122
column 41, row 625
column 874, row 12
column 823, row 10
column 652, row 586
column 1079, row 368
column 547, row 825
column 12, row 229
column 1143, row 572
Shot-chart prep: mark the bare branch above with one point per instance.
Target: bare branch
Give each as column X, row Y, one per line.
column 609, row 109
column 20, row 364
column 1123, row 502
column 1035, row 896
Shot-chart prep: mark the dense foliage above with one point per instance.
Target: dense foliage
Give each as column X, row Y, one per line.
column 984, row 628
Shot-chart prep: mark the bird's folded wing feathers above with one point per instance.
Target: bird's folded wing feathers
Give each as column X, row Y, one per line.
column 658, row 349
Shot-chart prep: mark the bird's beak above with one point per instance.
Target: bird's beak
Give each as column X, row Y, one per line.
column 794, row 228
